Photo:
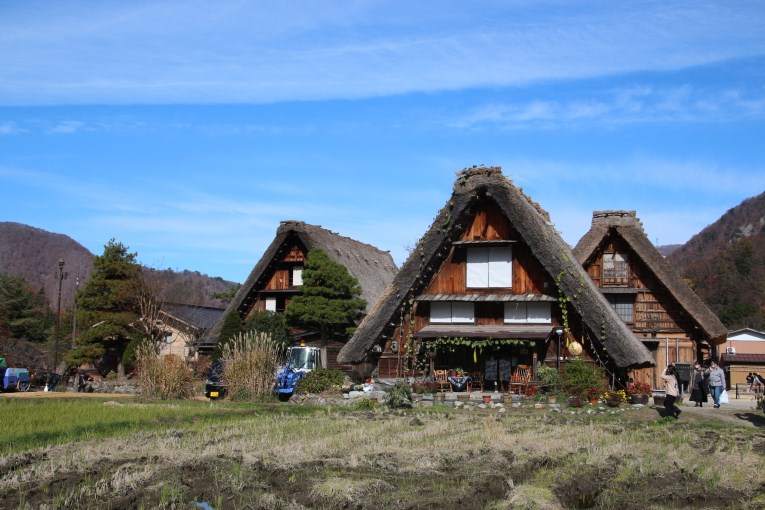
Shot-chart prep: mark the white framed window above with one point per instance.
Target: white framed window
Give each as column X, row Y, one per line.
column 271, row 304
column 528, row 313
column 490, row 267
column 297, row 276
column 447, row 312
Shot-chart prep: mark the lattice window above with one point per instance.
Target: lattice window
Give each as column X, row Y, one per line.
column 624, row 304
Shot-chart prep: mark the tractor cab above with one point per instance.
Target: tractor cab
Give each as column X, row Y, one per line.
column 301, row 359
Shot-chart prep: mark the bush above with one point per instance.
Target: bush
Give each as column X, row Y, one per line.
column 578, row 375
column 548, row 377
column 320, row 380
column 363, row 404
column 251, row 360
column 163, row 377
column 399, row 396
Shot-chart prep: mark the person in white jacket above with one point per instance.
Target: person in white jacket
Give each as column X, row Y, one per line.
column 670, row 384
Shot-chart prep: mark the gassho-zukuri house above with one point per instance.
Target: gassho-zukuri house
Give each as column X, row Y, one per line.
column 491, row 285
column 649, row 295
column 277, row 277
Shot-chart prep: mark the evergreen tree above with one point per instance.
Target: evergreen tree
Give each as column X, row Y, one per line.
column 107, row 306
column 232, row 326
column 24, row 313
column 330, row 301
column 270, row 323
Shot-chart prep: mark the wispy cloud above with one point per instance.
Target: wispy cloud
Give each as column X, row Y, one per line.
column 10, row 128
column 66, row 127
column 637, row 104
column 165, row 52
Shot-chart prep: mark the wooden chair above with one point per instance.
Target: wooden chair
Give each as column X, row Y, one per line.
column 440, row 377
column 476, row 381
column 520, row 379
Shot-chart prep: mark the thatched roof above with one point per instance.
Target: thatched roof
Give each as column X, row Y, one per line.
column 372, row 267
column 626, row 225
column 472, row 187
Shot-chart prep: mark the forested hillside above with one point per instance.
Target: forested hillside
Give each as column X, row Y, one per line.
column 725, row 265
column 33, row 253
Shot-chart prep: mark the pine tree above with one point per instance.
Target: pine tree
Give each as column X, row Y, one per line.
column 107, row 305
column 330, row 301
column 24, row 313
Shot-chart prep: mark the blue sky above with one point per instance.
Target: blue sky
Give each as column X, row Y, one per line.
column 188, row 129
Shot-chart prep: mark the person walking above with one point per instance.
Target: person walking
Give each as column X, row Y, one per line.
column 671, row 385
column 699, row 385
column 716, row 382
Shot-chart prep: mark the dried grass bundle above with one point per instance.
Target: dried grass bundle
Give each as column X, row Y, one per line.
column 163, row 377
column 251, row 361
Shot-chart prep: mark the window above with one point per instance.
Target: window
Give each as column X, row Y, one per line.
column 624, row 304
column 615, row 266
column 296, row 276
column 528, row 313
column 445, row 312
column 271, row 304
column 490, row 267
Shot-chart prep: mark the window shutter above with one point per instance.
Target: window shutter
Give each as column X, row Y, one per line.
column 440, row 312
column 501, row 267
column 463, row 312
column 297, row 276
column 515, row 313
column 478, row 267
column 539, row 313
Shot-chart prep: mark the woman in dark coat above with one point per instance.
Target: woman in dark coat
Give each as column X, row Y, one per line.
column 699, row 386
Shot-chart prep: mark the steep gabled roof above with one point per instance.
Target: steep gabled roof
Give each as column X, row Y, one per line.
column 626, row 225
column 532, row 223
column 372, row 267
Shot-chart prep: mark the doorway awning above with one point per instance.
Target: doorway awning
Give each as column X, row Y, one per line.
column 520, row 332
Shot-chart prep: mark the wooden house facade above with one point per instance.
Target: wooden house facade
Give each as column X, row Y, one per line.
column 490, row 286
column 277, row 277
column 651, row 298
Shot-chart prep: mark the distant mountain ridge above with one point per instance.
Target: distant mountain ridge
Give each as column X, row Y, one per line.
column 34, row 254
column 725, row 264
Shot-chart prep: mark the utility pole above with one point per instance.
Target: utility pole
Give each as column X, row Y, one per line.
column 74, row 311
column 60, row 277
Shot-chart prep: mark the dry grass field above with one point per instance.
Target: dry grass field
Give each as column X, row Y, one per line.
column 95, row 453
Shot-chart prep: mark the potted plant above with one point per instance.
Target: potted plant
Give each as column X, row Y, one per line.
column 615, row 398
column 638, row 392
column 592, row 394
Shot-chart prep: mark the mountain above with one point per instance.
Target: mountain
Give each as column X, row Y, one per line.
column 725, row 264
column 34, row 253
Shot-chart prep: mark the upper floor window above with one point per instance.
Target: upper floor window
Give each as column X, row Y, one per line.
column 490, row 267
column 525, row 313
column 451, row 312
column 615, row 267
column 624, row 304
column 296, row 276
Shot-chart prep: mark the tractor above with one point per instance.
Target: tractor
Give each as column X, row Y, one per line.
column 14, row 378
column 300, row 360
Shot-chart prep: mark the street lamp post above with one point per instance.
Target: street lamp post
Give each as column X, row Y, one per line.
column 61, row 277
column 558, row 332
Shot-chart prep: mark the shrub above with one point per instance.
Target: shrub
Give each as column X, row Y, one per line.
column 363, row 404
column 251, row 360
column 548, row 376
column 163, row 377
column 399, row 396
column 319, row 380
column 578, row 375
